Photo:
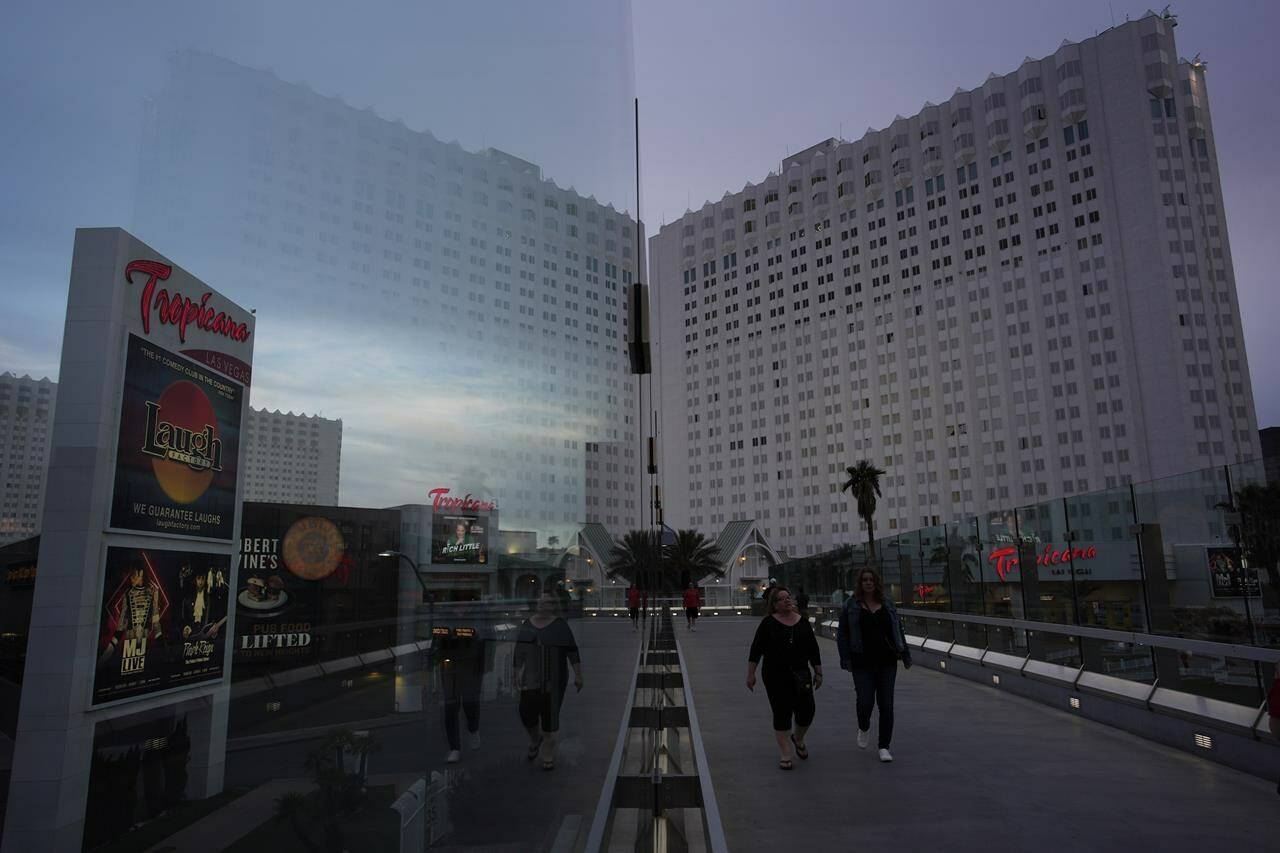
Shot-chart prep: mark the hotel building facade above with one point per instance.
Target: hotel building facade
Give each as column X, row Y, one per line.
column 1021, row 293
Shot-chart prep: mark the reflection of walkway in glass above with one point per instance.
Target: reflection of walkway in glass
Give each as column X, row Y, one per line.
column 499, row 801
column 975, row 769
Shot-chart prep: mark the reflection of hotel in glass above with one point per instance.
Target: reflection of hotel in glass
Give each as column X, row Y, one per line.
column 1022, row 293
column 292, row 458
column 469, row 310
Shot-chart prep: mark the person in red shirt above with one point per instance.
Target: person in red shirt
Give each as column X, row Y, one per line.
column 692, row 601
column 633, row 605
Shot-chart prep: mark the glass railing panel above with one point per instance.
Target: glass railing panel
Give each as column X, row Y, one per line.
column 1197, row 583
column 1060, row 649
column 1128, row 661
column 1049, row 587
column 1103, row 557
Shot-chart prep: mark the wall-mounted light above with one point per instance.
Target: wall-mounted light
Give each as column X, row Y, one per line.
column 273, row 706
column 942, row 664
column 1074, row 701
column 995, row 679
column 1204, row 741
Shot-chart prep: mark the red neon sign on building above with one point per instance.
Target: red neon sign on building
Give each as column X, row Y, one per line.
column 1006, row 559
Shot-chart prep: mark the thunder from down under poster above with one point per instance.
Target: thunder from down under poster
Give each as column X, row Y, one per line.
column 162, row 623
column 178, row 449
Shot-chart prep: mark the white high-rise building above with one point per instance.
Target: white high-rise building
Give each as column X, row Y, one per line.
column 1021, row 293
column 26, row 428
column 491, row 298
column 292, row 458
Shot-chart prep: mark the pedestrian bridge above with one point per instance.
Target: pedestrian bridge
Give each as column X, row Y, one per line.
column 664, row 748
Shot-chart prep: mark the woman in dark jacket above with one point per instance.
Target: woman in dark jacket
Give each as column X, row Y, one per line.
column 871, row 642
column 785, row 641
column 545, row 651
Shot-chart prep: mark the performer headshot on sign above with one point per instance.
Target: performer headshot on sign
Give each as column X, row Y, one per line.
column 462, row 534
column 204, row 604
column 139, row 612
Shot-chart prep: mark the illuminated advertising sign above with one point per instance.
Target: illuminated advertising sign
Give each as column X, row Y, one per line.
column 178, row 446
column 1005, row 558
column 162, row 621
column 1228, row 576
column 457, row 538
column 311, row 585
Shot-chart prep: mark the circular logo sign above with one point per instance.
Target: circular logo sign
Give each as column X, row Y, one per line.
column 313, row 548
column 189, row 426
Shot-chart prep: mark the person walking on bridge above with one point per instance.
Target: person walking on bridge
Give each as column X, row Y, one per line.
column 692, row 601
column 785, row 641
column 633, row 606
column 545, row 652
column 871, row 642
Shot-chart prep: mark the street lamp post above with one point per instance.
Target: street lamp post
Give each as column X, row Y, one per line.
column 410, row 693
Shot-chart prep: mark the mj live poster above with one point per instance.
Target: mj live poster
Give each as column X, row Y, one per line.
column 162, row 623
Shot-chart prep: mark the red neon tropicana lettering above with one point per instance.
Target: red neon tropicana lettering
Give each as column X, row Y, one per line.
column 439, row 501
column 1006, row 559
column 178, row 310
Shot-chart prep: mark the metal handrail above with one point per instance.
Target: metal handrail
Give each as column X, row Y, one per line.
column 1137, row 638
column 710, row 807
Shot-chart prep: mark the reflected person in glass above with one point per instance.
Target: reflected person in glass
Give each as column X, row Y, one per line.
column 871, row 642
column 462, row 658
column 1273, row 710
column 545, row 651
column 785, row 641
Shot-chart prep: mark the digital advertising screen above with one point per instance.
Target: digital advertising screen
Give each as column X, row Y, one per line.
column 459, row 538
column 179, row 444
column 162, row 622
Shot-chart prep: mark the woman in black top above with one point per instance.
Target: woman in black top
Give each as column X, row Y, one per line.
column 786, row 643
column 545, row 650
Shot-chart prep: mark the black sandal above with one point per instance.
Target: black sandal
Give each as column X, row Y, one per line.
column 800, row 749
column 533, row 750
column 785, row 764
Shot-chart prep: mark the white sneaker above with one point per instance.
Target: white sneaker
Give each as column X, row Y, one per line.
column 863, row 738
column 885, row 756
column 454, row 757
column 475, row 740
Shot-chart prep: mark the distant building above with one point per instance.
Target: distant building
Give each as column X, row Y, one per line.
column 292, row 458
column 26, row 426
column 1271, row 452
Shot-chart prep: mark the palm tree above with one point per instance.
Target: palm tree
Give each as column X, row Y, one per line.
column 692, row 556
column 864, row 485
column 637, row 557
